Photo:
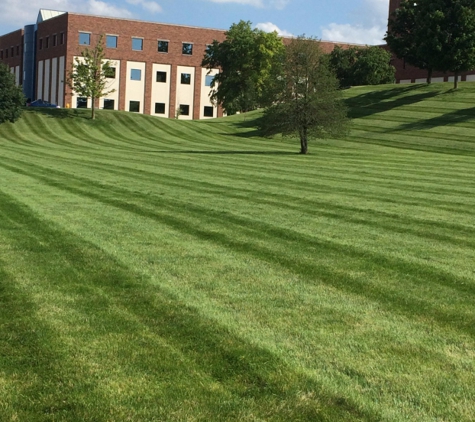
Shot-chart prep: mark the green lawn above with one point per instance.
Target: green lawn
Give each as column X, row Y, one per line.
column 163, row 270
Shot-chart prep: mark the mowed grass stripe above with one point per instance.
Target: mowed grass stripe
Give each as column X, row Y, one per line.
column 176, row 341
column 321, row 272
column 351, row 268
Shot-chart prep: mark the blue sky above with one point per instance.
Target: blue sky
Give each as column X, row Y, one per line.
column 357, row 21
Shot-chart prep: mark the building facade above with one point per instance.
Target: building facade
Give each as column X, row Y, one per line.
column 157, row 66
column 406, row 73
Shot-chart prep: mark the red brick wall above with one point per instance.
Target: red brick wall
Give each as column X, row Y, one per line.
column 13, row 40
column 151, row 33
column 48, row 29
column 407, row 72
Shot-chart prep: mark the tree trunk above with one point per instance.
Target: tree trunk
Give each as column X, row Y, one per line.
column 93, row 113
column 303, row 141
column 429, row 76
column 456, row 80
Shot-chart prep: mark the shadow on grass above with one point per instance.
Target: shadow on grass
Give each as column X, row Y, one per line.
column 452, row 118
column 224, row 152
column 374, row 102
column 170, row 339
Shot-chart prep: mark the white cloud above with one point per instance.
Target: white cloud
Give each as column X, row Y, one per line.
column 372, row 20
column 270, row 27
column 149, row 6
column 14, row 13
column 275, row 4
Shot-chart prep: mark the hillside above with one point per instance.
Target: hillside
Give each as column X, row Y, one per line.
column 167, row 270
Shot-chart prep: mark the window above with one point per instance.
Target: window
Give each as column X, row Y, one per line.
column 162, row 46
column 208, row 111
column 208, row 80
column 160, row 108
column 137, row 44
column 108, row 104
column 13, row 51
column 110, row 73
column 161, row 76
column 17, row 50
column 46, row 42
column 187, row 48
column 84, row 38
column 184, row 109
column 81, row 102
column 61, row 38
column 134, row 106
column 135, row 74
column 55, row 40
column 6, row 53
column 1, row 55
column 111, row 41
column 186, row 78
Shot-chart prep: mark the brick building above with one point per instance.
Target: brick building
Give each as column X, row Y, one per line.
column 157, row 66
column 409, row 74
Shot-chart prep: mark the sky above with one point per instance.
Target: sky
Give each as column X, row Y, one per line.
column 355, row 21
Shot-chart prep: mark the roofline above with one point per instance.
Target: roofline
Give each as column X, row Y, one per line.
column 143, row 21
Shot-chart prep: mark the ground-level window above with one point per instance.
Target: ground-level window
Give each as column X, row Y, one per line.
column 81, row 102
column 84, row 38
column 161, row 76
column 186, row 78
column 159, row 108
column 184, row 110
column 135, row 74
column 134, row 106
column 109, row 104
column 208, row 111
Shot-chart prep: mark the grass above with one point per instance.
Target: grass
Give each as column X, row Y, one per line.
column 163, row 270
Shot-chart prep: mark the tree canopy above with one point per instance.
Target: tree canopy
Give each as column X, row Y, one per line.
column 306, row 97
column 12, row 99
column 362, row 66
column 434, row 35
column 89, row 75
column 245, row 59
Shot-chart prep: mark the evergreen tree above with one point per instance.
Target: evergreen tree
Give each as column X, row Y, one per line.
column 12, row 99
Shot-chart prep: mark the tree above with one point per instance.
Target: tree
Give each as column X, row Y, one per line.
column 457, row 38
column 307, row 102
column 362, row 66
column 89, row 74
column 434, row 35
column 245, row 59
column 12, row 99
column 410, row 34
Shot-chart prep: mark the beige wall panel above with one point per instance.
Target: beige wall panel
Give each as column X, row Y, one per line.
column 205, row 91
column 62, row 77
column 39, row 79
column 54, row 80
column 135, row 90
column 113, row 84
column 185, row 92
column 47, row 76
column 160, row 90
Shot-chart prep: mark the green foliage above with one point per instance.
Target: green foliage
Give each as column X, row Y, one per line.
column 307, row 102
column 12, row 99
column 169, row 270
column 362, row 66
column 434, row 35
column 88, row 77
column 245, row 60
